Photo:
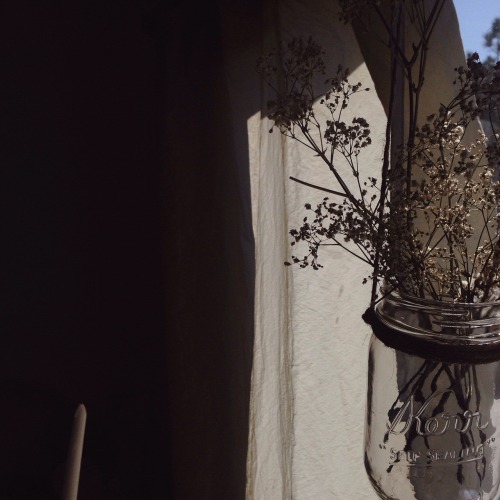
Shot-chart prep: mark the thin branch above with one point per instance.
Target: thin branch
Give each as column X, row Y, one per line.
column 337, row 193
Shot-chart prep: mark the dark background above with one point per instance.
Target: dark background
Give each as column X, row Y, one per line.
column 123, row 282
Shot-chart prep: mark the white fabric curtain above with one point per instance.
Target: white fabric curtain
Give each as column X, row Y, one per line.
column 306, row 422
column 310, row 353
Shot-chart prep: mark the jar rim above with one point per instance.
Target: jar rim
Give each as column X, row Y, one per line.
column 444, row 322
column 446, row 303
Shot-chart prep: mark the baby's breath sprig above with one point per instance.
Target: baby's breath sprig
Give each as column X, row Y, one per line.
column 453, row 185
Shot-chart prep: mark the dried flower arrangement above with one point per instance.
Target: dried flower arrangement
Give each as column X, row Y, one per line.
column 430, row 226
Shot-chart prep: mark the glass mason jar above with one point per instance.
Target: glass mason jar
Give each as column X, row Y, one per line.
column 433, row 412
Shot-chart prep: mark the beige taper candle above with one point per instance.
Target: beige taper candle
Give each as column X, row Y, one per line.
column 74, row 458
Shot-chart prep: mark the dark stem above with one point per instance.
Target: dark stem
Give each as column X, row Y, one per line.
column 386, row 160
column 338, row 193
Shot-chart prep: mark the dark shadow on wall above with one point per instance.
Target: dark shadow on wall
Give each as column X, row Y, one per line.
column 126, row 262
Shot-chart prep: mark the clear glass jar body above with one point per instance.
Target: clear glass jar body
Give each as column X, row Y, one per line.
column 433, row 411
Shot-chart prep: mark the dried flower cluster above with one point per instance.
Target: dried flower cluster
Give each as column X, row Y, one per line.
column 437, row 234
